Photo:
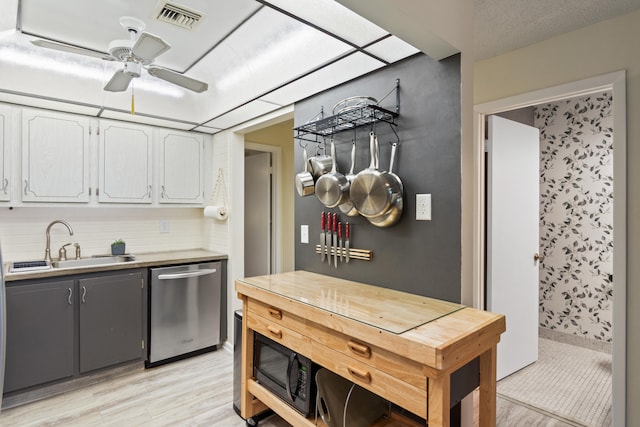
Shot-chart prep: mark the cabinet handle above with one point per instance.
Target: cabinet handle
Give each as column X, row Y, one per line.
column 360, row 374
column 359, row 349
column 69, row 297
column 162, row 193
column 275, row 313
column 26, row 185
column 6, row 184
column 149, row 192
column 275, row 331
column 84, row 294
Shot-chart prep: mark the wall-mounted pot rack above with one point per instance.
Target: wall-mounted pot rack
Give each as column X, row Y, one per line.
column 350, row 118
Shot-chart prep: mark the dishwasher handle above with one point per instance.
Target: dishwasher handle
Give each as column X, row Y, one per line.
column 187, row 274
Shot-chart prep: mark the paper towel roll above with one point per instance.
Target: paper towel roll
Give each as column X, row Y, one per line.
column 217, row 212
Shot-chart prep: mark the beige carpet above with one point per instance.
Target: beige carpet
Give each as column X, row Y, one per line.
column 569, row 382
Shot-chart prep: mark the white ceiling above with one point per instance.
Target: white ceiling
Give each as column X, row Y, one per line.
column 257, row 56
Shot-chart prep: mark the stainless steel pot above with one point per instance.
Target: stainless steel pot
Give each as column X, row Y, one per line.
column 371, row 192
column 320, row 165
column 304, row 180
column 332, row 188
column 393, row 215
column 347, row 207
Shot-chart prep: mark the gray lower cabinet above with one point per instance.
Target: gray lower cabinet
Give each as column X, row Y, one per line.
column 62, row 328
column 40, row 334
column 110, row 320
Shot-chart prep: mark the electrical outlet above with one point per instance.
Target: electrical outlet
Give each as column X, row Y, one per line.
column 423, row 207
column 304, row 234
column 164, row 226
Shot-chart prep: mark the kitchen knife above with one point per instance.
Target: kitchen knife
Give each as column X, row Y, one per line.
column 322, row 236
column 340, row 241
column 335, row 240
column 347, row 232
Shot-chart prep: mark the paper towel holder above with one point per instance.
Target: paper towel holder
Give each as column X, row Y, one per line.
column 215, row 210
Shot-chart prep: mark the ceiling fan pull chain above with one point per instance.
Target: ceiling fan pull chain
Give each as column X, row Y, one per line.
column 133, row 108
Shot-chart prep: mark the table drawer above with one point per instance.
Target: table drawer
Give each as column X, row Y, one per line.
column 281, row 334
column 382, row 359
column 387, row 386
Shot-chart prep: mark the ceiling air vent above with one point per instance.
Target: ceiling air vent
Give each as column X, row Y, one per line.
column 177, row 14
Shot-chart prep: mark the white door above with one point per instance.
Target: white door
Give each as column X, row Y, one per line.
column 257, row 214
column 513, row 187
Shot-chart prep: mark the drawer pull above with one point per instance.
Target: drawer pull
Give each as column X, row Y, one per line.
column 275, row 331
column 275, row 313
column 360, row 374
column 359, row 349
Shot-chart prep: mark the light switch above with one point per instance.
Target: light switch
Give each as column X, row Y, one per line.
column 423, row 207
column 304, row 234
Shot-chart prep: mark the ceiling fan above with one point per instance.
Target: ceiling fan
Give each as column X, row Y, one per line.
column 136, row 53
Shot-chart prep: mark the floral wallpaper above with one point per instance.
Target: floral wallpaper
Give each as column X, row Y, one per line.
column 576, row 215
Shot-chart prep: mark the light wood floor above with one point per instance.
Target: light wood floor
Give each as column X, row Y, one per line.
column 191, row 392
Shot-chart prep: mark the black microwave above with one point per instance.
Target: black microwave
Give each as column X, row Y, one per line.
column 287, row 374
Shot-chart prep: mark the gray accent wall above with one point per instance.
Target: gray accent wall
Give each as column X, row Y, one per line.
column 421, row 257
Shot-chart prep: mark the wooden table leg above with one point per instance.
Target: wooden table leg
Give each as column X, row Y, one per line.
column 487, row 403
column 439, row 401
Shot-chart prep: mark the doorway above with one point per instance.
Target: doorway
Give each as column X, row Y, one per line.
column 614, row 82
column 258, row 213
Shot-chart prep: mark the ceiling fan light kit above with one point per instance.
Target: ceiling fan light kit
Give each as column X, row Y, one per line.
column 136, row 53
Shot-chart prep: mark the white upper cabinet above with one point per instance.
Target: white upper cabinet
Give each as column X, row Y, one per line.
column 55, row 157
column 125, row 163
column 180, row 163
column 5, row 154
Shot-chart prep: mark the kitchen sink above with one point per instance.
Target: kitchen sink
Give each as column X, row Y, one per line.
column 93, row 261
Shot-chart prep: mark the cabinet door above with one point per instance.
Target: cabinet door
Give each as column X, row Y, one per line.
column 5, row 153
column 180, row 167
column 55, row 157
column 125, row 163
column 39, row 334
column 110, row 320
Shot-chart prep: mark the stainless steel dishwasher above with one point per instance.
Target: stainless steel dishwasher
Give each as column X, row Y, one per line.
column 185, row 309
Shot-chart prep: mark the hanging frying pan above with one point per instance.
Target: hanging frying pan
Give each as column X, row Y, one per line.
column 371, row 192
column 347, row 207
column 393, row 214
column 332, row 188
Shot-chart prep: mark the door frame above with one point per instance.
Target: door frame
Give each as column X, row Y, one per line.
column 276, row 201
column 616, row 83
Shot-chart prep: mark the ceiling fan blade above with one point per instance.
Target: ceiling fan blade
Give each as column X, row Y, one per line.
column 178, row 79
column 71, row 49
column 119, row 82
column 148, row 46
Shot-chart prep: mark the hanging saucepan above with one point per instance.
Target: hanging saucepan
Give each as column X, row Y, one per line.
column 371, row 193
column 320, row 164
column 304, row 180
column 393, row 214
column 332, row 188
column 347, row 207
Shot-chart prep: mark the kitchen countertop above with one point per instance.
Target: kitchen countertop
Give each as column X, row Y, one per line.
column 154, row 259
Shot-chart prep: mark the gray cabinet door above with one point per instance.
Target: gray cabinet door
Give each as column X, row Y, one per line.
column 111, row 324
column 40, row 331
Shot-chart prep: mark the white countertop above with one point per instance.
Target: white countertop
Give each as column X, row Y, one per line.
column 143, row 260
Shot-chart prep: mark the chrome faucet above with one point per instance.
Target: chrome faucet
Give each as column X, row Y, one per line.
column 47, row 251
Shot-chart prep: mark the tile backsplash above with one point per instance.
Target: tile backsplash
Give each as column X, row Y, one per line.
column 22, row 230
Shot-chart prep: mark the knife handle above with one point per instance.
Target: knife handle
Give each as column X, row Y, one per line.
column 322, row 221
column 340, row 230
column 347, row 230
column 335, row 222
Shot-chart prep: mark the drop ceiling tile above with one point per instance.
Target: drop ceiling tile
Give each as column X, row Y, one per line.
column 343, row 70
column 242, row 114
column 392, row 49
column 335, row 18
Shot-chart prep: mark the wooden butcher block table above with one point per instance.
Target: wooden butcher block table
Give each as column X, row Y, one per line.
column 400, row 346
